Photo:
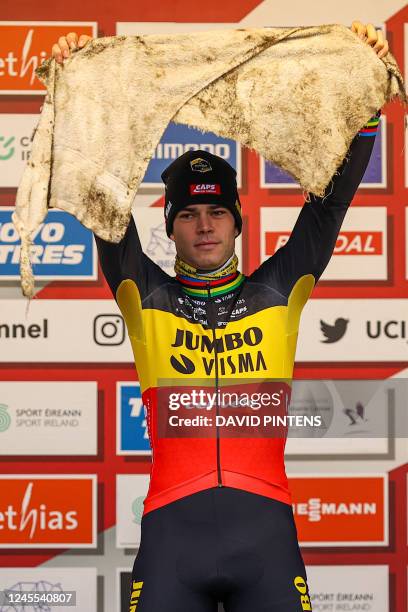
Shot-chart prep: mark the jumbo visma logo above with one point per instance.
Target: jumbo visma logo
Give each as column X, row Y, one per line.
column 5, row 419
column 235, row 352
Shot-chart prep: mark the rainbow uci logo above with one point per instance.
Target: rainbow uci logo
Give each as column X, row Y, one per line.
column 5, row 419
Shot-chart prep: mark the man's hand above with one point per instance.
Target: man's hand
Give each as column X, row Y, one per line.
column 372, row 37
column 62, row 49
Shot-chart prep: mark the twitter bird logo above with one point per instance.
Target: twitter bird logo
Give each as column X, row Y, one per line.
column 333, row 333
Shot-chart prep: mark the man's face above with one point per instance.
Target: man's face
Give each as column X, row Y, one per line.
column 204, row 235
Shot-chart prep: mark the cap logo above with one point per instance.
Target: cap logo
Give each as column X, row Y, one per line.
column 200, row 165
column 197, row 189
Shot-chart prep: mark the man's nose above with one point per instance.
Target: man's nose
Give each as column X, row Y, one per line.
column 204, row 223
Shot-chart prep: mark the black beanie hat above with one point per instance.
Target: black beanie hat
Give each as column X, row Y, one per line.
column 199, row 177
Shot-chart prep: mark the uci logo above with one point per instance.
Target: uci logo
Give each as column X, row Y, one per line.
column 301, row 587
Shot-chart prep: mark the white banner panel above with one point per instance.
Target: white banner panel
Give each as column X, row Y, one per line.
column 361, row 248
column 131, row 490
column 63, row 331
column 354, row 330
column 48, row 418
column 356, row 414
column 337, row 588
column 43, row 580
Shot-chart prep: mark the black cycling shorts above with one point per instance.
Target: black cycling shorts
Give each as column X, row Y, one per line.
column 219, row 545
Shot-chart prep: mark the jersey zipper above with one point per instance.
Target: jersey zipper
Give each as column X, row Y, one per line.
column 219, row 484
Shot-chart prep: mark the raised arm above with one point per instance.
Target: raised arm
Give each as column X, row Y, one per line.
column 314, row 235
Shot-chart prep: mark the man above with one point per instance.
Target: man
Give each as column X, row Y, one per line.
column 218, row 523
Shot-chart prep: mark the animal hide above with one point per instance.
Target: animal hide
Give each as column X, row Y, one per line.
column 297, row 96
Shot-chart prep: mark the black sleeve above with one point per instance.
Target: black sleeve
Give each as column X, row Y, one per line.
column 314, row 235
column 126, row 260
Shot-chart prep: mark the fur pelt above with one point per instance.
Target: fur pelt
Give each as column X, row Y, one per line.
column 298, row 96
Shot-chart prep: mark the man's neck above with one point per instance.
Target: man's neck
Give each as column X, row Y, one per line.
column 203, row 284
column 188, row 271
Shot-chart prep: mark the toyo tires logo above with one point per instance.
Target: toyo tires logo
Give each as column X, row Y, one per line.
column 5, row 419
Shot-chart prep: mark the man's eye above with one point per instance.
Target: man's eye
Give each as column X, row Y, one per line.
column 219, row 212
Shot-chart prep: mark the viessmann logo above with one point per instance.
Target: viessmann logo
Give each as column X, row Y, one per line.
column 340, row 510
column 316, row 509
column 23, row 48
column 44, row 511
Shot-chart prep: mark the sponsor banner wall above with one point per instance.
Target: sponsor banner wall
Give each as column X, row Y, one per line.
column 52, row 581
column 354, row 536
column 47, row 511
column 48, row 418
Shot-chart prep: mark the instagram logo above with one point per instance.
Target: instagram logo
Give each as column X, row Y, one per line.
column 109, row 330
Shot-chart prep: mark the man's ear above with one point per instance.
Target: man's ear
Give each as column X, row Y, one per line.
column 172, row 237
column 236, row 232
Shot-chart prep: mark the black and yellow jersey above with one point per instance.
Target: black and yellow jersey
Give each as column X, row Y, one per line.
column 243, row 332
